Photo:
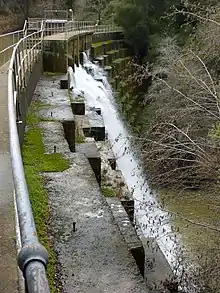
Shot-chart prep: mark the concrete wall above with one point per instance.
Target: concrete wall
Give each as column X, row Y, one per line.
column 58, row 55
column 101, row 37
column 25, row 97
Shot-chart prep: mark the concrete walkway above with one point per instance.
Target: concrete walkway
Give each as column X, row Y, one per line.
column 67, row 35
column 93, row 258
column 8, row 263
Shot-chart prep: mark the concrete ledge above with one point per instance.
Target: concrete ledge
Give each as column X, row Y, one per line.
column 111, row 159
column 83, row 123
column 128, row 232
column 157, row 269
column 129, row 208
column 97, row 125
column 53, row 137
column 90, row 150
column 92, row 125
column 98, row 111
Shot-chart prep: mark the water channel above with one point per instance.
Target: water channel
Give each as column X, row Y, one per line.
column 151, row 221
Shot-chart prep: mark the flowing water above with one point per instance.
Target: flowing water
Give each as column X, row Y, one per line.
column 151, row 221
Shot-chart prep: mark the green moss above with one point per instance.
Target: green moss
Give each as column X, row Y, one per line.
column 36, row 161
column 108, row 191
column 34, row 154
column 99, row 44
column 112, row 52
column 78, row 99
column 80, row 138
column 51, row 74
column 119, row 60
column 107, row 67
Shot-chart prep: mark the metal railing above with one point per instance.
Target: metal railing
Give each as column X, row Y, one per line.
column 107, row 28
column 33, row 257
column 55, row 26
column 8, row 41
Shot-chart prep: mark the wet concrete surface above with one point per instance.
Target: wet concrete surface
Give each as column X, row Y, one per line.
column 94, row 258
column 53, row 136
column 57, row 113
column 48, row 91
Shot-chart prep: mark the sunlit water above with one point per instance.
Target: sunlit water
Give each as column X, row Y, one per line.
column 151, row 221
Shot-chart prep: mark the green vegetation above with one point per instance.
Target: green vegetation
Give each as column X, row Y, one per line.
column 35, row 162
column 50, row 74
column 119, row 60
column 78, row 99
column 107, row 67
column 80, row 138
column 170, row 99
column 107, row 191
column 112, row 52
column 99, row 44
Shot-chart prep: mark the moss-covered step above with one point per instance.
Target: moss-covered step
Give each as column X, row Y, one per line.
column 101, row 48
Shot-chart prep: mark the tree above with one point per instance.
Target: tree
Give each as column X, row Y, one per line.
column 140, row 19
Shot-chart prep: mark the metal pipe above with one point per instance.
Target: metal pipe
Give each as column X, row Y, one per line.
column 35, row 276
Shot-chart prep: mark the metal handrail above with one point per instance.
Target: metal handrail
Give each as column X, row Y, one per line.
column 107, row 28
column 33, row 257
column 8, row 41
column 54, row 27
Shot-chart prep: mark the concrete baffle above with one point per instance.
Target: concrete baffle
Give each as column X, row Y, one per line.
column 64, row 83
column 90, row 150
column 69, row 131
column 78, row 108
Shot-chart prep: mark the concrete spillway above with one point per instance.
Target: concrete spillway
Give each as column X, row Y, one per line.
column 92, row 82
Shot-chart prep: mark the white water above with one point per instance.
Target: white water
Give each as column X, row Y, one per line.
column 150, row 219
